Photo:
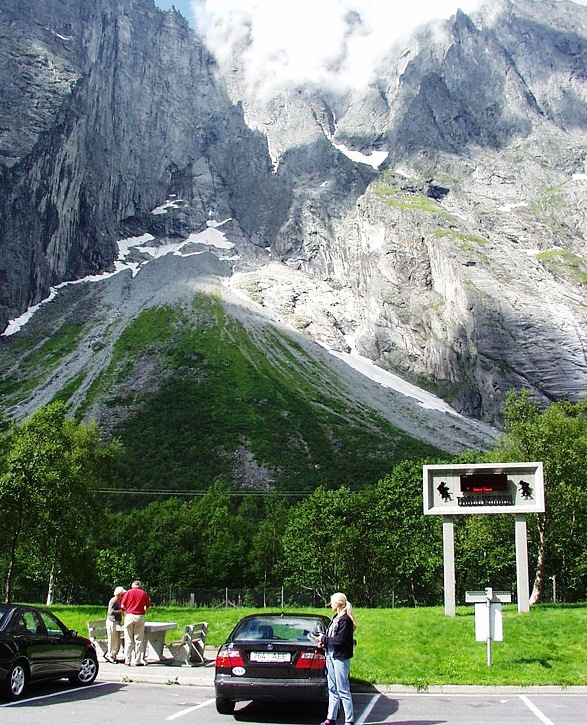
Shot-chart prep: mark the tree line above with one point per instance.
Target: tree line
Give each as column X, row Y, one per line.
column 64, row 539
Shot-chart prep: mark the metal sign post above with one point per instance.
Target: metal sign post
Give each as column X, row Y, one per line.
column 448, row 548
column 522, row 579
column 488, row 619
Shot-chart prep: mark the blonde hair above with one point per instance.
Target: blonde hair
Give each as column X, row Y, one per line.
column 339, row 600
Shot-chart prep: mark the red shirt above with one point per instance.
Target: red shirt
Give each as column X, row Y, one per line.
column 135, row 601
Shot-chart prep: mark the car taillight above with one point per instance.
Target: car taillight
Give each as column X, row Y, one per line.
column 229, row 658
column 311, row 661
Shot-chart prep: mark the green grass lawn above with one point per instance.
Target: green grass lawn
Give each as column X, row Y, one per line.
column 423, row 647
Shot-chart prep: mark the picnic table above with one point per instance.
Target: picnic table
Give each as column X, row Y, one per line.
column 155, row 636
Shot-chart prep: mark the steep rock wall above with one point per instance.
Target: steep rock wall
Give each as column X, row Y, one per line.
column 138, row 117
column 467, row 264
column 460, row 263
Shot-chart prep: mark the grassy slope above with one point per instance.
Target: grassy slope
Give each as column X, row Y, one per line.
column 195, row 396
column 221, row 392
column 422, row 647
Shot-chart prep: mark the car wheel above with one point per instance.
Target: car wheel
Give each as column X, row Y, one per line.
column 16, row 681
column 224, row 706
column 88, row 670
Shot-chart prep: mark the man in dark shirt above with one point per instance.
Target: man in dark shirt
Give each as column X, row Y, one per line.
column 135, row 603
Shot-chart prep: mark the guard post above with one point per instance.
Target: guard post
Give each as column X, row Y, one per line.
column 484, row 488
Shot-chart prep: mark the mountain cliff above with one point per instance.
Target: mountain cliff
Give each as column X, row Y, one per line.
column 121, row 109
column 466, row 250
column 433, row 222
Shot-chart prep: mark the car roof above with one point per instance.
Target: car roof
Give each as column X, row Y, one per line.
column 7, row 609
column 283, row 615
column 12, row 607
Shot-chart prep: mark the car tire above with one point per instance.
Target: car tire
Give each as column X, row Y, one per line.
column 16, row 680
column 88, row 670
column 224, row 706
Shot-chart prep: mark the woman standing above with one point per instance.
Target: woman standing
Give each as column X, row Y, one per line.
column 338, row 644
column 113, row 622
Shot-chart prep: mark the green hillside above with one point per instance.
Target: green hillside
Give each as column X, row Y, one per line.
column 252, row 410
column 197, row 393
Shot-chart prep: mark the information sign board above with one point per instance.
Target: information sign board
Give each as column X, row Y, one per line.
column 483, row 488
column 488, row 623
column 481, row 596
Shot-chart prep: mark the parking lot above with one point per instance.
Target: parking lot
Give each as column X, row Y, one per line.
column 164, row 701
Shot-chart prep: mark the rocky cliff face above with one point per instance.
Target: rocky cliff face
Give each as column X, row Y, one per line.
column 465, row 255
column 122, row 111
column 458, row 263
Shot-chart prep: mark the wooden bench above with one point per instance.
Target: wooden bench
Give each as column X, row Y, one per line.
column 190, row 650
column 98, row 635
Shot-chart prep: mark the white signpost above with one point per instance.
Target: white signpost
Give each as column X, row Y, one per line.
column 488, row 619
column 484, row 488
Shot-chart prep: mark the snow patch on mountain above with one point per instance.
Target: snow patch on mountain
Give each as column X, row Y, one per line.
column 209, row 239
column 373, row 158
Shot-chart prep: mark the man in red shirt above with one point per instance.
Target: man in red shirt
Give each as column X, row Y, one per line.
column 135, row 603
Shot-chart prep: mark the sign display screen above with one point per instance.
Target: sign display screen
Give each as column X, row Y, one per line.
column 483, row 482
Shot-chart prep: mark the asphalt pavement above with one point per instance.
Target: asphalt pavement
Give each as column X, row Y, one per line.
column 203, row 676
column 163, row 674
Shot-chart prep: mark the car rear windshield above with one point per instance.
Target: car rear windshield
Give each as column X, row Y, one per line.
column 293, row 629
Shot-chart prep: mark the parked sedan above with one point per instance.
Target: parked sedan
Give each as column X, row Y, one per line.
column 35, row 645
column 272, row 657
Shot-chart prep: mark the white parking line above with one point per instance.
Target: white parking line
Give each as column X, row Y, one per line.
column 539, row 714
column 52, row 694
column 187, row 711
column 368, row 709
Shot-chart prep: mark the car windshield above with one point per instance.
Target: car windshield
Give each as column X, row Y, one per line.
column 292, row 629
column 4, row 612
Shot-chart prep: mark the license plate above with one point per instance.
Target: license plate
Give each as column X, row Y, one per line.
column 270, row 657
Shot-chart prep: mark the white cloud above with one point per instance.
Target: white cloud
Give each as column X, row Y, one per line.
column 313, row 40
column 325, row 41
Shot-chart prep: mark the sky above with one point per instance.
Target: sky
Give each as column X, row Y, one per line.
column 184, row 7
column 300, row 42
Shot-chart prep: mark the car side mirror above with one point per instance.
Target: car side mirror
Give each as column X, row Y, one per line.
column 73, row 633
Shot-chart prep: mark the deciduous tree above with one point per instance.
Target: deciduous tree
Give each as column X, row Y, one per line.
column 557, row 436
column 52, row 467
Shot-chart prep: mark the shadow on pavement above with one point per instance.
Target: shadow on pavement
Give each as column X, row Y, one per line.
column 288, row 713
column 43, row 694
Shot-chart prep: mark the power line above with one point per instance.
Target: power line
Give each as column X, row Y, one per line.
column 153, row 492
column 168, row 492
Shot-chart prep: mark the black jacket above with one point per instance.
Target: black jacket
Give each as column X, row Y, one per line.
column 341, row 640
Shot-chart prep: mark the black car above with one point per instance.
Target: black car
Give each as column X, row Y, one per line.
column 35, row 645
column 272, row 657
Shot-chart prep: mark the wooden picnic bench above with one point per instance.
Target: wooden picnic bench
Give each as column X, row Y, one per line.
column 98, row 635
column 190, row 650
